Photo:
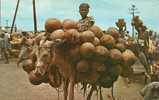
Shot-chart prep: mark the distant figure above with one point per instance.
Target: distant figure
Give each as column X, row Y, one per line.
column 151, row 91
column 3, row 48
column 156, row 70
column 86, row 22
column 7, row 43
column 121, row 24
column 24, row 48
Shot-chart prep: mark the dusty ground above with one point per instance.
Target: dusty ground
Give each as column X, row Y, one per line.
column 14, row 85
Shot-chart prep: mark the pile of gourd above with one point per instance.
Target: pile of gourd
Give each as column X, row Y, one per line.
column 97, row 56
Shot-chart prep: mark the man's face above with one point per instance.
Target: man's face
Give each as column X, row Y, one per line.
column 84, row 12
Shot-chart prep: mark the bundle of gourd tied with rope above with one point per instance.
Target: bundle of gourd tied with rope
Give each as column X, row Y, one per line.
column 94, row 57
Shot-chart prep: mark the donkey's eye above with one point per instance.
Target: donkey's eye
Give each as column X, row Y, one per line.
column 34, row 57
column 45, row 55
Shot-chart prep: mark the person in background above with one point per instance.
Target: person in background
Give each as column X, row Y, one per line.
column 156, row 70
column 3, row 48
column 7, row 43
column 150, row 91
column 0, row 45
column 24, row 48
column 85, row 22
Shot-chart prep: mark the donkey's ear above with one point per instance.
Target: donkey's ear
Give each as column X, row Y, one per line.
column 48, row 43
column 58, row 40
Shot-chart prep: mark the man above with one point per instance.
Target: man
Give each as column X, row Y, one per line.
column 3, row 48
column 151, row 91
column 24, row 48
column 156, row 70
column 7, row 43
column 121, row 24
column 86, row 22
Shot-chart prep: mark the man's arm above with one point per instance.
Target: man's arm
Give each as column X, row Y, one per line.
column 92, row 21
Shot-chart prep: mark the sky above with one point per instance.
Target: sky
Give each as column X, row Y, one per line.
column 105, row 12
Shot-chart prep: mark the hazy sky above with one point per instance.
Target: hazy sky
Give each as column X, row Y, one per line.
column 105, row 12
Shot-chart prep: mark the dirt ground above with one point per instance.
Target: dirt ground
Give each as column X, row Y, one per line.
column 14, row 85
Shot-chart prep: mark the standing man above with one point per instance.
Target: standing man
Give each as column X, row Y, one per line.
column 121, row 24
column 3, row 48
column 85, row 22
column 24, row 48
column 7, row 42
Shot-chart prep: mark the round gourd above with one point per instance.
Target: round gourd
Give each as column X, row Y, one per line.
column 129, row 57
column 58, row 34
column 72, row 35
column 27, row 65
column 69, row 24
column 113, row 32
column 97, row 31
column 87, row 49
column 34, row 79
column 87, row 36
column 108, row 41
column 120, row 46
column 115, row 56
column 52, row 24
column 101, row 52
column 96, row 41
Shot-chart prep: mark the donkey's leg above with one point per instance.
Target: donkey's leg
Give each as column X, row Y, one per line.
column 100, row 91
column 84, row 89
column 71, row 90
column 91, row 92
column 66, row 83
column 112, row 92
